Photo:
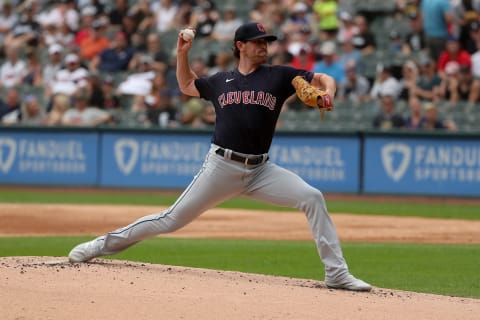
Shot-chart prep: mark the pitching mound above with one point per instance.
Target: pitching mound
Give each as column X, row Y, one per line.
column 51, row 288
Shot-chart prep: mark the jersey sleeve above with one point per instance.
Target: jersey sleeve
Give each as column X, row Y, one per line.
column 205, row 87
column 289, row 73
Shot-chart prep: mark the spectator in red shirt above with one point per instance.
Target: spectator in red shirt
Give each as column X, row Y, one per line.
column 96, row 42
column 87, row 14
column 453, row 52
column 305, row 59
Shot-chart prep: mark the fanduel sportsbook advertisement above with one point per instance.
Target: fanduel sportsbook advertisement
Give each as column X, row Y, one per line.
column 418, row 165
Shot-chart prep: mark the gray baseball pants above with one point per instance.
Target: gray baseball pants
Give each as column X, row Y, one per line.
column 220, row 179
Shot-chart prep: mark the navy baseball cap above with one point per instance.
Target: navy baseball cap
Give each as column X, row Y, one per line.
column 253, row 31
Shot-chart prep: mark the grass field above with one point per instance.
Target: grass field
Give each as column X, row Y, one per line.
column 441, row 269
column 394, row 208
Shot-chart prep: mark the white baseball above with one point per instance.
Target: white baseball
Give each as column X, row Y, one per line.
column 187, row 34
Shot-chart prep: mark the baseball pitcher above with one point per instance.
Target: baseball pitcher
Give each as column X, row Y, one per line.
column 247, row 101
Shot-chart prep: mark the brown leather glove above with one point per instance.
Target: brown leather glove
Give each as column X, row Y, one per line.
column 312, row 96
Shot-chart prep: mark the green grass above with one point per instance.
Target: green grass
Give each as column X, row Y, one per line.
column 441, row 269
column 394, row 208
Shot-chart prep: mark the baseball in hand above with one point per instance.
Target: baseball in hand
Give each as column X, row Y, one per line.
column 187, row 34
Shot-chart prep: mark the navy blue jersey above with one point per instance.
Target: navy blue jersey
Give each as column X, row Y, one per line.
column 247, row 106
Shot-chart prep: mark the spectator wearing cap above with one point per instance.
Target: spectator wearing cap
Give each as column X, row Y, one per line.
column 224, row 29
column 364, row 39
column 428, row 79
column 388, row 117
column 453, row 51
column 437, row 16
column 300, row 20
column 87, row 16
column 13, row 69
column 433, row 120
column 70, row 78
column 326, row 14
column 54, row 63
column 457, row 85
column 84, row 115
column 329, row 63
column 397, row 44
column 96, row 42
column 304, row 59
column 295, row 41
column 114, row 59
column 415, row 38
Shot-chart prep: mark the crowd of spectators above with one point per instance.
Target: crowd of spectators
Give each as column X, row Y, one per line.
column 99, row 62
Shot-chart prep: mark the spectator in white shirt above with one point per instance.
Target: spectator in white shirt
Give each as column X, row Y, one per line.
column 165, row 13
column 54, row 63
column 13, row 69
column 8, row 19
column 72, row 77
column 385, row 84
column 63, row 12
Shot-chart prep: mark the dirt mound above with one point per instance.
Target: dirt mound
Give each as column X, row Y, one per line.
column 63, row 219
column 51, row 288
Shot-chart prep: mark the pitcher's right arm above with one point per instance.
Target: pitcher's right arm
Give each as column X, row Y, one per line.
column 185, row 75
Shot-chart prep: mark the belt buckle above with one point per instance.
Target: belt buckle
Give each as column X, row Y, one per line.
column 246, row 161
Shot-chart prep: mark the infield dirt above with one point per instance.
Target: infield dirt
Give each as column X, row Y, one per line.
column 51, row 288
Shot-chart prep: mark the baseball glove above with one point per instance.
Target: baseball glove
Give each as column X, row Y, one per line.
column 312, row 96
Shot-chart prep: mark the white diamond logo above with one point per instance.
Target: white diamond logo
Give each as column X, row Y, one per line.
column 8, row 149
column 392, row 151
column 126, row 155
